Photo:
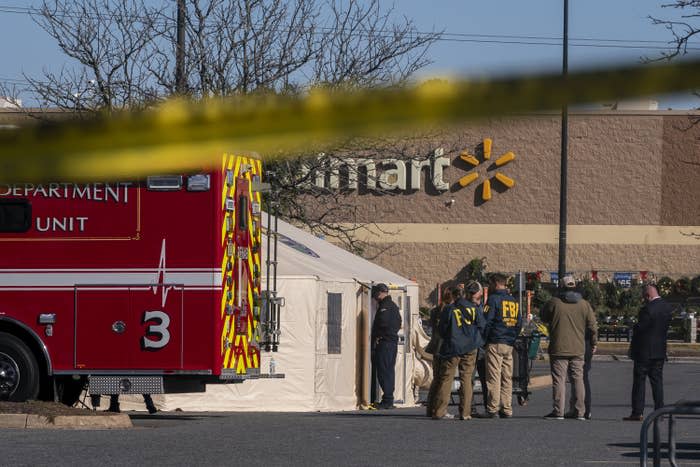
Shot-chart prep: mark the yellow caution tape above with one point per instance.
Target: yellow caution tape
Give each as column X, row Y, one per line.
column 186, row 136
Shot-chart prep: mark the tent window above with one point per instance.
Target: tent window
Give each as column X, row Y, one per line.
column 15, row 215
column 335, row 315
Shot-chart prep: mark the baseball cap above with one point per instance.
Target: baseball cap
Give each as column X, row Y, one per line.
column 569, row 281
column 473, row 287
column 379, row 288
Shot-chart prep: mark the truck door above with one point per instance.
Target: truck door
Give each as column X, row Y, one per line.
column 131, row 328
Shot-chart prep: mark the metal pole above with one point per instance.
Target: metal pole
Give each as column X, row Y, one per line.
column 657, row 443
column 276, row 340
column 268, row 295
column 520, row 293
column 180, row 49
column 406, row 338
column 671, row 441
column 372, row 369
column 564, row 153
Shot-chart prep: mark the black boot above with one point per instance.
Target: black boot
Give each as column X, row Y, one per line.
column 114, row 404
column 95, row 400
column 150, row 406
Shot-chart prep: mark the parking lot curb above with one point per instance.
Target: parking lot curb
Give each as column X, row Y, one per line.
column 66, row 422
column 13, row 420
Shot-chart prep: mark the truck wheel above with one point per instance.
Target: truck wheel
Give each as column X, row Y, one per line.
column 19, row 371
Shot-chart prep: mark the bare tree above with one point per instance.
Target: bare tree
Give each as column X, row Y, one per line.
column 682, row 29
column 124, row 49
column 243, row 46
column 10, row 95
column 362, row 46
column 124, row 53
column 112, row 43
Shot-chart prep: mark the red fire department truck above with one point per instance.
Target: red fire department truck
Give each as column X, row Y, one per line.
column 144, row 286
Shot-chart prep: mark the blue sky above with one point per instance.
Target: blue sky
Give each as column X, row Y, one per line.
column 27, row 49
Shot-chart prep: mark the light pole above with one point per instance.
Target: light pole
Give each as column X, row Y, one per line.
column 180, row 49
column 564, row 153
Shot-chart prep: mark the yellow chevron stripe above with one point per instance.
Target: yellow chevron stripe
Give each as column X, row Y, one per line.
column 242, row 355
column 239, row 361
column 223, row 301
column 223, row 230
column 246, row 354
column 232, row 332
column 250, row 264
column 223, row 264
column 238, row 355
column 227, row 321
column 227, row 358
column 224, row 159
column 250, row 301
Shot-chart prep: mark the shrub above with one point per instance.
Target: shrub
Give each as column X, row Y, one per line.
column 682, row 287
column 665, row 286
column 631, row 300
column 476, row 270
column 612, row 295
column 695, row 286
column 590, row 290
column 540, row 297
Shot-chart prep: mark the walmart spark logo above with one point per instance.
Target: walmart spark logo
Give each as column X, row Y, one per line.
column 472, row 176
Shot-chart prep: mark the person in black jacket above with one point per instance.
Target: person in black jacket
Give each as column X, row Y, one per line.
column 503, row 325
column 648, row 350
column 460, row 327
column 385, row 338
column 434, row 349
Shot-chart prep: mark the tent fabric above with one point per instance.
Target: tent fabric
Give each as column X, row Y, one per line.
column 309, row 268
column 330, row 262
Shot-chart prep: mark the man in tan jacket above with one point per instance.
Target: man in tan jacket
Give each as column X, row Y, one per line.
column 568, row 316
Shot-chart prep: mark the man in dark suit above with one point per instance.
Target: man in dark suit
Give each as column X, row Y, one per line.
column 648, row 350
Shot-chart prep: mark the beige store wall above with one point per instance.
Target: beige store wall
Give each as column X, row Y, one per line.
column 634, row 186
column 615, row 163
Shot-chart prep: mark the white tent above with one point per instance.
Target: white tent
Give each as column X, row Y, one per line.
column 320, row 373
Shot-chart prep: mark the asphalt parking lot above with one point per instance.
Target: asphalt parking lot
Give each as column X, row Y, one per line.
column 400, row 437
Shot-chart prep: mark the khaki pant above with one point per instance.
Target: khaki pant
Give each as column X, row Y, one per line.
column 561, row 367
column 466, row 364
column 499, row 377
